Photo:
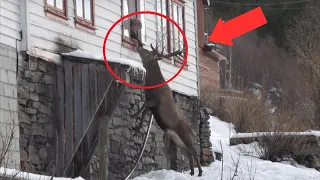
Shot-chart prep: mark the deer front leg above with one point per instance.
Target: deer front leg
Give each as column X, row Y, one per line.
column 144, row 106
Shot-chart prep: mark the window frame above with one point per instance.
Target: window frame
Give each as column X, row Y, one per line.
column 81, row 22
column 57, row 13
column 126, row 40
column 177, row 62
column 169, row 30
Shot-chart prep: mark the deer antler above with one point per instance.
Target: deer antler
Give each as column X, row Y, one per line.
column 161, row 55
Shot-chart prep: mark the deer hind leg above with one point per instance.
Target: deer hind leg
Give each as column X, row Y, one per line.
column 193, row 151
column 166, row 146
column 187, row 139
column 187, row 153
column 182, row 146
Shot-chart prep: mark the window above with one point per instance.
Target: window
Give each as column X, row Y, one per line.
column 163, row 28
column 178, row 17
column 128, row 7
column 168, row 35
column 85, row 13
column 57, row 7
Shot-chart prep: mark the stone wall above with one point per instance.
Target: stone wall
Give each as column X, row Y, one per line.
column 125, row 141
column 35, row 92
column 9, row 107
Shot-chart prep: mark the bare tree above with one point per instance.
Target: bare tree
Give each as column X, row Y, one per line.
column 304, row 41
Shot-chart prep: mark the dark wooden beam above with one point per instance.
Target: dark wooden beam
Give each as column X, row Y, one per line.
column 110, row 115
column 103, row 147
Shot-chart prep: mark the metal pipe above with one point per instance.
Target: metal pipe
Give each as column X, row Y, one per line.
column 197, row 46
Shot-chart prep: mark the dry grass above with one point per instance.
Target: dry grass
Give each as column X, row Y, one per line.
column 253, row 115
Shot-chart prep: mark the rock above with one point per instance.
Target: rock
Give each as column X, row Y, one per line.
column 43, row 154
column 37, row 129
column 23, row 155
column 34, row 159
column 114, row 146
column 207, row 151
column 34, row 96
column 208, row 111
column 42, row 118
column 33, row 118
column 160, row 159
column 22, row 101
column 44, row 109
column 48, row 128
column 31, row 111
column 23, row 142
column 147, row 160
column 117, row 121
column 23, row 117
column 48, row 79
column 22, row 93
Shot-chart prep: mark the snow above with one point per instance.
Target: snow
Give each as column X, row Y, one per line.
column 257, row 134
column 12, row 173
column 249, row 164
column 83, row 54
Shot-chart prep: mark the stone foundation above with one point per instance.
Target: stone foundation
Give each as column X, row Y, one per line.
column 36, row 98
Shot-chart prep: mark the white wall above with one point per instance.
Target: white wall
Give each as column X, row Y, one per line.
column 44, row 30
column 9, row 33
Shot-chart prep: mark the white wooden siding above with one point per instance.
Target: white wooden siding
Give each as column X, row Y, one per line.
column 9, row 22
column 44, row 30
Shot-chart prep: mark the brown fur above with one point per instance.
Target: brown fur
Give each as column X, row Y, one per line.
column 161, row 104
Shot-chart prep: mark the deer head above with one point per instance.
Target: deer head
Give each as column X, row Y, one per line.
column 151, row 57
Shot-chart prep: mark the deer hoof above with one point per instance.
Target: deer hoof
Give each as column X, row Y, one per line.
column 200, row 174
column 191, row 173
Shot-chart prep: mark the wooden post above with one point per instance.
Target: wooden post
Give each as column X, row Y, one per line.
column 103, row 147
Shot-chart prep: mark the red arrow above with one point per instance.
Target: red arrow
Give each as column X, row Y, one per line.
column 225, row 32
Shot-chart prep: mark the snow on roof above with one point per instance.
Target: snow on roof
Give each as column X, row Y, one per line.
column 15, row 174
column 83, row 54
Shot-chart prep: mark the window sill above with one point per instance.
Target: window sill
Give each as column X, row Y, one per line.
column 126, row 42
column 84, row 25
column 56, row 14
column 178, row 63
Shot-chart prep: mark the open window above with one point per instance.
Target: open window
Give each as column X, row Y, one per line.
column 128, row 7
column 57, row 8
column 84, row 10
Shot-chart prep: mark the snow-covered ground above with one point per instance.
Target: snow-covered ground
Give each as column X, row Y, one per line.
column 14, row 174
column 250, row 167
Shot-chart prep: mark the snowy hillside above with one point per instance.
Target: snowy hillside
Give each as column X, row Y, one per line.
column 249, row 167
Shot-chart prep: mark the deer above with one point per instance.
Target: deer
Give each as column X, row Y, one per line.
column 160, row 102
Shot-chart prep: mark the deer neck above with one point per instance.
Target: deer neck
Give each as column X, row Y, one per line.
column 154, row 75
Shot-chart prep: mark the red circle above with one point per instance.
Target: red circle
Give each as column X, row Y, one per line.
column 133, row 14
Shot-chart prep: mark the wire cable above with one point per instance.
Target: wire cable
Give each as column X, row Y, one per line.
column 142, row 149
column 263, row 4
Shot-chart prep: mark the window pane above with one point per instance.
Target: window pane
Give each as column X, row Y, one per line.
column 59, row 4
column 79, row 8
column 87, row 10
column 175, row 29
column 143, row 21
column 125, row 23
column 180, row 15
column 132, row 6
column 50, row 2
column 180, row 18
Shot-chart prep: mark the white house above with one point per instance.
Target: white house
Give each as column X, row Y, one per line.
column 37, row 23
